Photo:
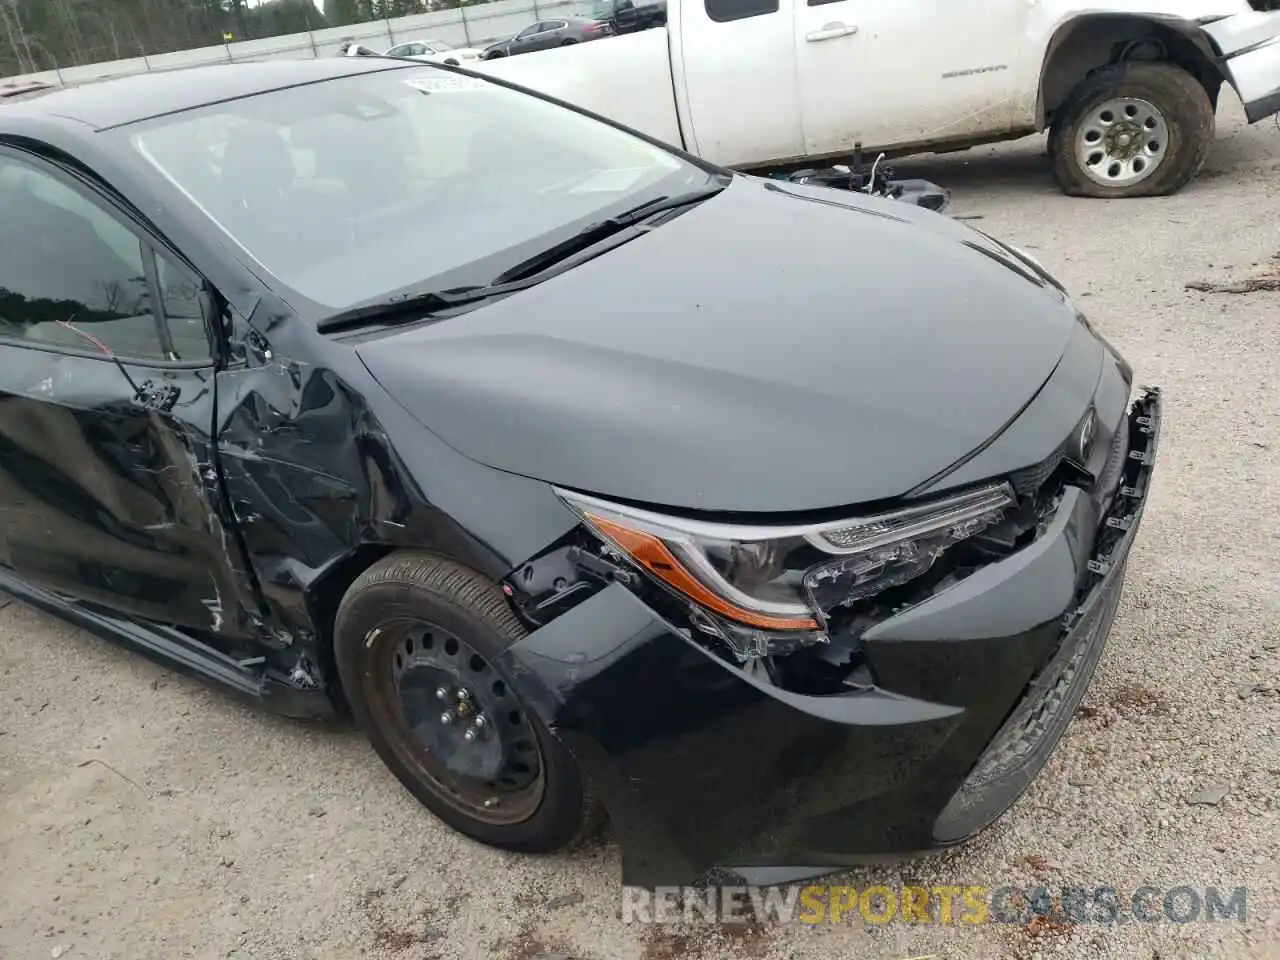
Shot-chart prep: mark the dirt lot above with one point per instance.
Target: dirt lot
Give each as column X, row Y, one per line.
column 146, row 816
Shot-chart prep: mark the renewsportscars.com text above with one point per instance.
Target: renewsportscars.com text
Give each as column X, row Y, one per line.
column 944, row 905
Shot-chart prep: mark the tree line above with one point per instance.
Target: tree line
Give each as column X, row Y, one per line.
column 48, row 34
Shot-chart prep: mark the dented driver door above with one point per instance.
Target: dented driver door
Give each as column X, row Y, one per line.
column 902, row 73
column 108, row 489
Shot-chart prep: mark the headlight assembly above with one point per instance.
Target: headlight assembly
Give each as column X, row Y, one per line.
column 769, row 588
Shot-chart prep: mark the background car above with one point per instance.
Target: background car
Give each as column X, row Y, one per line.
column 352, row 49
column 435, row 51
column 550, row 33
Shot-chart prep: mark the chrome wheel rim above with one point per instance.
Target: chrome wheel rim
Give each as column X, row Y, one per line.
column 1122, row 142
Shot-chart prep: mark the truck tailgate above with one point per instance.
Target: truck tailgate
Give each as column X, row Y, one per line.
column 626, row 78
column 1250, row 47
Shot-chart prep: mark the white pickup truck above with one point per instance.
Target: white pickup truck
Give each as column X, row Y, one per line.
column 1128, row 89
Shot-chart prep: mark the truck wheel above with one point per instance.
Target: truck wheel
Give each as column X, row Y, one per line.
column 417, row 640
column 1132, row 130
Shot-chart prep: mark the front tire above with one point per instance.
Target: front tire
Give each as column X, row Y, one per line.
column 416, row 641
column 1135, row 129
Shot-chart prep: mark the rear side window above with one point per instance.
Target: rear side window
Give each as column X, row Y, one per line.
column 722, row 11
column 72, row 275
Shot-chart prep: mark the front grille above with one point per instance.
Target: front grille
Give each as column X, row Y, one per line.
column 1028, row 481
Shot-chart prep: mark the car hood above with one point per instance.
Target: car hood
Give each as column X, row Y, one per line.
column 776, row 349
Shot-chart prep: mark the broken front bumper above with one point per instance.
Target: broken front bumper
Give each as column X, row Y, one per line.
column 703, row 766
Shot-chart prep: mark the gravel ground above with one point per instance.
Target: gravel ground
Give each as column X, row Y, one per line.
column 145, row 815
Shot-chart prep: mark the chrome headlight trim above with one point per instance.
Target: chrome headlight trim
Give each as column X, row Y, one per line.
column 956, row 508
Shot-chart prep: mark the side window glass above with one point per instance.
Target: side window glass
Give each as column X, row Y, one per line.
column 183, row 311
column 71, row 274
column 65, row 262
column 722, row 11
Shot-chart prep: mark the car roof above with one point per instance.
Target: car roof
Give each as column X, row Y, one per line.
column 102, row 104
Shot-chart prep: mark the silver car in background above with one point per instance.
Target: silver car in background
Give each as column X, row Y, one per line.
column 435, row 51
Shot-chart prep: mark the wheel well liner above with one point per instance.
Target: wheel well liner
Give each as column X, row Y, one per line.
column 1091, row 42
column 325, row 594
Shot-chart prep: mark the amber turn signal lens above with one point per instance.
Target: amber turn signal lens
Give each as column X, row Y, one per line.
column 651, row 553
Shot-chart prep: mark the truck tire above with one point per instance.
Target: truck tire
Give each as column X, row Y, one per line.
column 418, row 641
column 1136, row 129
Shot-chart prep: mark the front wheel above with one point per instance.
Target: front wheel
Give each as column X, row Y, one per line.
column 417, row 642
column 1132, row 130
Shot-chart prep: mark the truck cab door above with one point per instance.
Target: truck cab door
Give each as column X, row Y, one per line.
column 109, row 489
column 625, row 16
column 735, row 61
column 904, row 73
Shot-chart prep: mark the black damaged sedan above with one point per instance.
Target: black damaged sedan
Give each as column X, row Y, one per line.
column 781, row 524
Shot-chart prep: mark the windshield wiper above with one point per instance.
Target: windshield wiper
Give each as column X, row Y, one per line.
column 406, row 307
column 594, row 233
column 409, row 307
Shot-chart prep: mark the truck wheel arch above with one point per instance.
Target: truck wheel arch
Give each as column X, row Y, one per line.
column 1090, row 42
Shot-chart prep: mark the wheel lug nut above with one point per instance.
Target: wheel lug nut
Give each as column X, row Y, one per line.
column 464, row 693
column 479, row 721
column 446, row 718
column 470, row 735
column 442, row 693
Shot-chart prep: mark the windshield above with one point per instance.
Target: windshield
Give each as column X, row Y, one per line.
column 438, row 46
column 351, row 190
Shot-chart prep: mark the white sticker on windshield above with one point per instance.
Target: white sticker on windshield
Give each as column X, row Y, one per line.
column 446, row 82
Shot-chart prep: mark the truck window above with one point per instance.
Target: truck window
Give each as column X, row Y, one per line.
column 722, row 11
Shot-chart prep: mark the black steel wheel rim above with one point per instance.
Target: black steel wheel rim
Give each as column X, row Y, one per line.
column 457, row 723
